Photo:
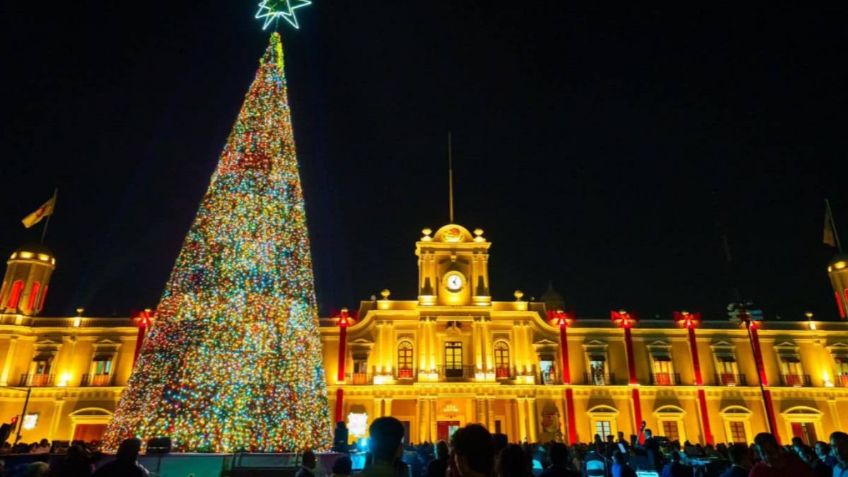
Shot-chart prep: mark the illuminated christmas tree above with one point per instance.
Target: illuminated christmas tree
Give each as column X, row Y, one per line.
column 233, row 360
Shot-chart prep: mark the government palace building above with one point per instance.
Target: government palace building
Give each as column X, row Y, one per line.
column 453, row 356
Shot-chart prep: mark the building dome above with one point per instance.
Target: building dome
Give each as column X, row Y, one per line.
column 453, row 233
column 27, row 278
column 33, row 248
column 838, row 262
column 552, row 299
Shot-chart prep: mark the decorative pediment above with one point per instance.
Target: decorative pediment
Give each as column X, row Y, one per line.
column 722, row 344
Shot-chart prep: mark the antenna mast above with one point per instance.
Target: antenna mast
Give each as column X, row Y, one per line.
column 450, row 177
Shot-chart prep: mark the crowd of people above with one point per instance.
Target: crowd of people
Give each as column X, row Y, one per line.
column 77, row 460
column 474, row 452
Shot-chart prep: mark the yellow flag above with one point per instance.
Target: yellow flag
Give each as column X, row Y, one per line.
column 40, row 213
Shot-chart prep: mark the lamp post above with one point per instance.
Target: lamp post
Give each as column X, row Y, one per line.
column 740, row 312
column 690, row 321
column 20, row 423
column 626, row 321
column 563, row 320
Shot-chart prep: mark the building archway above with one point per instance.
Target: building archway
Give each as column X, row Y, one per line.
column 670, row 422
column 803, row 422
column 88, row 424
column 603, row 420
column 737, row 424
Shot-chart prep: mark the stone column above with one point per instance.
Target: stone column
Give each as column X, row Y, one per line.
column 487, row 346
column 477, row 346
column 490, row 414
column 8, row 360
column 378, row 408
column 387, row 409
column 522, row 419
column 58, row 406
column 531, row 422
column 834, row 414
column 421, row 415
column 434, row 431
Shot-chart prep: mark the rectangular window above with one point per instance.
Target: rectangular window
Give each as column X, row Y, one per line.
column 662, row 371
column 727, row 371
column 42, row 367
column 548, row 373
column 737, row 432
column 360, row 371
column 604, row 428
column 841, row 371
column 597, row 370
column 102, row 366
column 670, row 431
column 453, row 359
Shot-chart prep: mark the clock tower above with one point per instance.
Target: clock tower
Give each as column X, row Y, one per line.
column 453, row 267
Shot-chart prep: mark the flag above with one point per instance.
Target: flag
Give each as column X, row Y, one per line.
column 43, row 211
column 829, row 235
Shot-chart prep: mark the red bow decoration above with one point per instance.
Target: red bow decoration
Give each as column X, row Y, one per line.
column 686, row 319
column 623, row 319
column 560, row 318
column 345, row 319
column 144, row 318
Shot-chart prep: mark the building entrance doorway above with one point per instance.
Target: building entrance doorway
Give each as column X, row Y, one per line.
column 445, row 429
column 806, row 431
column 89, row 432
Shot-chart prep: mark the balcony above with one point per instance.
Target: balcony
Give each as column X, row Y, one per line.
column 795, row 380
column 841, row 381
column 730, row 379
column 665, row 379
column 96, row 380
column 36, row 380
column 359, row 378
column 456, row 373
column 405, row 374
column 606, row 379
column 503, row 372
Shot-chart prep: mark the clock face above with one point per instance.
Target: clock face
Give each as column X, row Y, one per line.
column 454, row 282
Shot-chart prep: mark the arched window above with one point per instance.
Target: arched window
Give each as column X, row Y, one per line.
column 404, row 360
column 15, row 294
column 502, row 360
column 33, row 295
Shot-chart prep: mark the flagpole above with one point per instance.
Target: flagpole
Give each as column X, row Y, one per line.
column 47, row 220
column 833, row 225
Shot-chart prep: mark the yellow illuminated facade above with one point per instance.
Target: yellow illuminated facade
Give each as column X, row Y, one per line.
column 453, row 356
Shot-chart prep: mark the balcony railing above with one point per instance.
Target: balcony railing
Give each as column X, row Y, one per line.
column 359, row 378
column 503, row 372
column 36, row 380
column 730, row 379
column 795, row 380
column 841, row 380
column 96, row 380
column 665, row 379
column 606, row 379
column 405, row 373
column 456, row 373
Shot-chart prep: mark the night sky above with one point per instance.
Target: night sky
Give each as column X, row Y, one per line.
column 604, row 152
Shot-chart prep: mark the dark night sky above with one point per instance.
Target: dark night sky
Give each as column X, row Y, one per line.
column 604, row 152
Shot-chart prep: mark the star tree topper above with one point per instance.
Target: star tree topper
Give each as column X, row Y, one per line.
column 272, row 10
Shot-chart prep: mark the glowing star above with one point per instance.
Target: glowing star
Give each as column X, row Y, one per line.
column 273, row 10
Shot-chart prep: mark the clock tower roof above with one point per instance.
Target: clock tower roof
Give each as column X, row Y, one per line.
column 453, row 233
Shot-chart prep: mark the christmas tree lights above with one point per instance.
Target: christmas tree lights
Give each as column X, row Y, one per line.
column 233, row 361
